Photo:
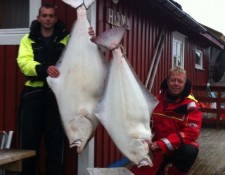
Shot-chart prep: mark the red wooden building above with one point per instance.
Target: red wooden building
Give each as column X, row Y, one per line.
column 159, row 31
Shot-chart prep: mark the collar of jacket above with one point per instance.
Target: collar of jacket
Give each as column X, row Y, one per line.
column 59, row 31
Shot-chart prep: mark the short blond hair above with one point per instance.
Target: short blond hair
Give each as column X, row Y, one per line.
column 177, row 70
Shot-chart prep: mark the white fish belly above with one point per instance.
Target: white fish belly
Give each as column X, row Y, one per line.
column 124, row 111
column 80, row 84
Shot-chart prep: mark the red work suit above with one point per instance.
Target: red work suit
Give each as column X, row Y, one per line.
column 173, row 124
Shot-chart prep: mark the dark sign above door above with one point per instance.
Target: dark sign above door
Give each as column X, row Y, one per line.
column 116, row 18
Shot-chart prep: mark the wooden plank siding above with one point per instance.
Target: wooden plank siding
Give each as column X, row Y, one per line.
column 146, row 22
column 9, row 88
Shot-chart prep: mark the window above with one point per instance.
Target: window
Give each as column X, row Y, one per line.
column 198, row 59
column 15, row 18
column 178, row 50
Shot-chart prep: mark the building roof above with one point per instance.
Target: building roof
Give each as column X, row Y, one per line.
column 175, row 9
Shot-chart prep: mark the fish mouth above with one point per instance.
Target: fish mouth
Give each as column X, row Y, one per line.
column 76, row 143
column 79, row 144
column 145, row 162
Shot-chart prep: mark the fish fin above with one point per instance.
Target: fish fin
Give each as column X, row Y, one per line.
column 52, row 83
column 49, row 81
column 78, row 3
column 151, row 100
column 59, row 62
column 88, row 3
column 111, row 38
column 74, row 3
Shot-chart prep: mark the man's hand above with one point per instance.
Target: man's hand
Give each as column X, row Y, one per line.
column 91, row 32
column 53, row 71
column 154, row 146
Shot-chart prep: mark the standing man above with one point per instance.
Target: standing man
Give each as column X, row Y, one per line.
column 39, row 115
column 176, row 123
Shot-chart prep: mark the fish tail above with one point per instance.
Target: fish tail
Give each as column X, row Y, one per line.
column 111, row 38
column 78, row 3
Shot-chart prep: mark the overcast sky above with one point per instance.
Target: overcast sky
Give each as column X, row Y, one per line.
column 208, row 12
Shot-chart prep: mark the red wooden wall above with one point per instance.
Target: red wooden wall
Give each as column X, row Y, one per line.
column 140, row 42
column 10, row 86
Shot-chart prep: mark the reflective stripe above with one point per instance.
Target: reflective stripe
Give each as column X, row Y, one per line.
column 168, row 144
column 191, row 105
column 194, row 125
column 34, row 83
column 65, row 40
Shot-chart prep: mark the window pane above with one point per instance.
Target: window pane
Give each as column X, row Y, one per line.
column 198, row 57
column 14, row 14
column 174, row 48
column 177, row 53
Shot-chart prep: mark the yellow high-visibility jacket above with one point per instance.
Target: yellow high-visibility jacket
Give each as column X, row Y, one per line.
column 34, row 56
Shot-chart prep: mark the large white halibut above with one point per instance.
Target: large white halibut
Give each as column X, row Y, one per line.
column 81, row 81
column 126, row 106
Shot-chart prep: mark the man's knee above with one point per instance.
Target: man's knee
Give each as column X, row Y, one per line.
column 185, row 157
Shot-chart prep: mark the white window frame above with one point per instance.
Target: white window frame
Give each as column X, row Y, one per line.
column 13, row 36
column 179, row 38
column 200, row 65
